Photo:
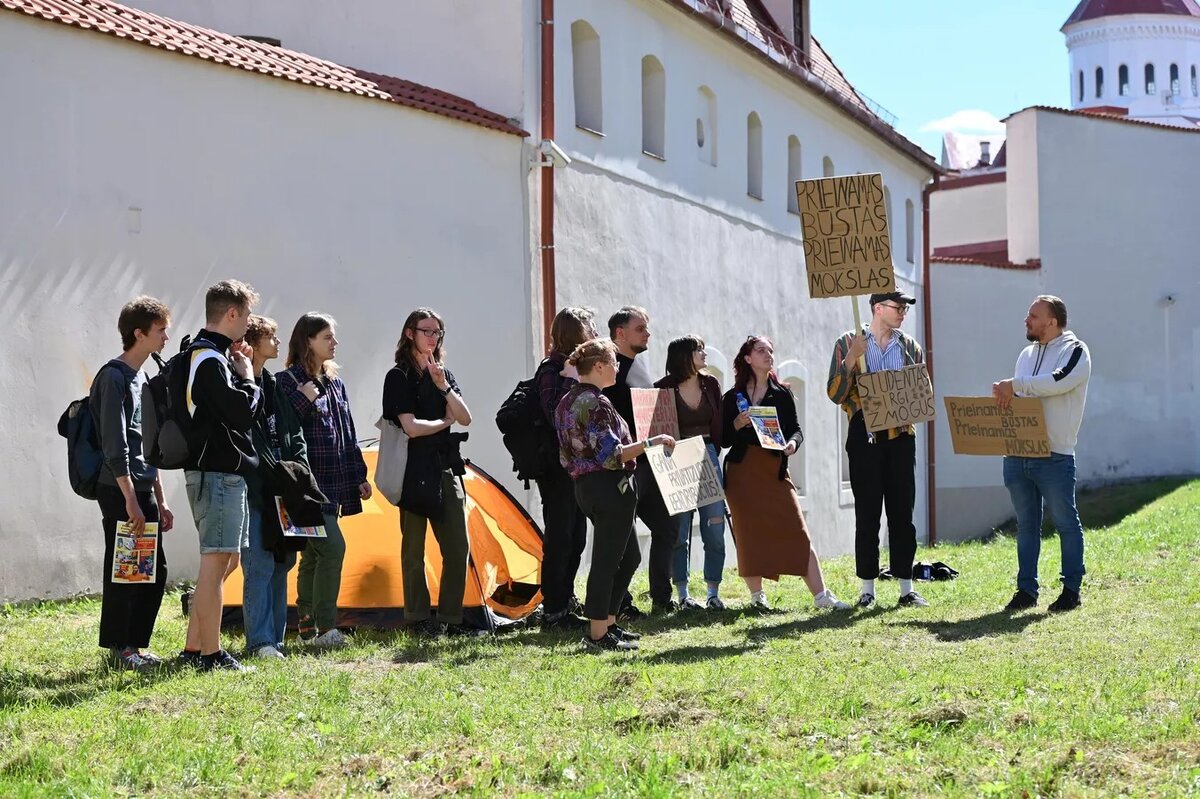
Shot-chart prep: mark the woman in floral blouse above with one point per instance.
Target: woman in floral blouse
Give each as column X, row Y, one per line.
column 598, row 453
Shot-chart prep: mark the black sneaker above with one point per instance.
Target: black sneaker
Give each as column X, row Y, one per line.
column 307, row 628
column 189, row 659
column 1067, row 600
column 865, row 601
column 1022, row 600
column 464, row 631
column 691, row 603
column 565, row 621
column 623, row 634
column 630, row 612
column 607, row 643
column 223, row 661
column 427, row 628
column 913, row 600
column 664, row 608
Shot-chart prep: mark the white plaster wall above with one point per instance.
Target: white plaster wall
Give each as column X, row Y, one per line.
column 1115, row 204
column 969, row 215
column 1135, row 40
column 1023, row 215
column 466, row 47
column 321, row 200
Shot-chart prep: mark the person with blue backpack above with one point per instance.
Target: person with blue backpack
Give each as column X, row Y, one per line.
column 128, row 489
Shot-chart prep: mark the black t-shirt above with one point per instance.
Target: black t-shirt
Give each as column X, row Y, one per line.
column 619, row 394
column 406, row 390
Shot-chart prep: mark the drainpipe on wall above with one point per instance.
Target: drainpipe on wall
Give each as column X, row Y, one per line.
column 547, row 174
column 926, row 290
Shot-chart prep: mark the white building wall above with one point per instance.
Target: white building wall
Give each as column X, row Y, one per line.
column 683, row 237
column 466, row 47
column 131, row 170
column 968, row 215
column 1114, row 205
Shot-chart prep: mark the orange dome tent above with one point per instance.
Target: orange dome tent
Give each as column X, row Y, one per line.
column 505, row 565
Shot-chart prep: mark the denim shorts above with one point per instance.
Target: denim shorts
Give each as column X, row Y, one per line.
column 219, row 506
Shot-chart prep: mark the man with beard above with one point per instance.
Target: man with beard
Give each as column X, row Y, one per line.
column 1056, row 368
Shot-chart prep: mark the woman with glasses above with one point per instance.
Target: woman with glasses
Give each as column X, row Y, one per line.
column 768, row 526
column 319, row 398
column 698, row 406
column 421, row 395
column 599, row 454
column 277, row 437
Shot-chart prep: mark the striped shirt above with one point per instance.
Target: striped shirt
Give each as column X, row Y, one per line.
column 890, row 357
column 842, row 387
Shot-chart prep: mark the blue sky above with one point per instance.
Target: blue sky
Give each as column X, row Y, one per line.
column 927, row 60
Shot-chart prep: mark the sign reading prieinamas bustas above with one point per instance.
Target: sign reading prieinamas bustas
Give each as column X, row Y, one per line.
column 847, row 249
column 978, row 426
column 896, row 397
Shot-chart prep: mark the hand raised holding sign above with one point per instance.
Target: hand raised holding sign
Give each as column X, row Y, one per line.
column 1003, row 392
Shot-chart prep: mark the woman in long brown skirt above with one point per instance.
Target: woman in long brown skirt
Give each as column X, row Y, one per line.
column 768, row 526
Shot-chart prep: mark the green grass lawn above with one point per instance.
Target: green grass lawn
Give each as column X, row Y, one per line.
column 956, row 699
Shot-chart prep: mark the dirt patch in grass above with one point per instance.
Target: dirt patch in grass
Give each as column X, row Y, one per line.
column 940, row 716
column 685, row 710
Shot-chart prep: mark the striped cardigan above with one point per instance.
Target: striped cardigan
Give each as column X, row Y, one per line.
column 842, row 388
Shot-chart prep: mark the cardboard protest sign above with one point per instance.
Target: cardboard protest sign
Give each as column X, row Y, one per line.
column 654, row 412
column 765, row 419
column 980, row 427
column 896, row 397
column 847, row 249
column 686, row 477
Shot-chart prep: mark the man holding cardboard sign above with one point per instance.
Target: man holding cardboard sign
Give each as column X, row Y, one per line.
column 882, row 464
column 1055, row 367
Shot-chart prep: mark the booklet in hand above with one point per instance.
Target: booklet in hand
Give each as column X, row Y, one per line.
column 765, row 419
column 135, row 557
column 291, row 529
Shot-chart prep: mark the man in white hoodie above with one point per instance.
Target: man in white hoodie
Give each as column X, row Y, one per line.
column 1056, row 368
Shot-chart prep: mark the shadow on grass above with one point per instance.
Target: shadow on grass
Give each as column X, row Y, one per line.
column 72, row 688
column 826, row 620
column 999, row 622
column 1105, row 506
column 696, row 654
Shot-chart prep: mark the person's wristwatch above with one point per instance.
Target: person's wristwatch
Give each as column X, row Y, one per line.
column 646, row 443
column 449, row 388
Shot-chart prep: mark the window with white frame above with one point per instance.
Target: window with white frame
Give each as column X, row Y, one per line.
column 1123, row 80
column 585, row 62
column 1150, row 87
column 910, row 233
column 754, row 156
column 654, row 107
column 793, row 144
column 706, row 125
column 1099, row 82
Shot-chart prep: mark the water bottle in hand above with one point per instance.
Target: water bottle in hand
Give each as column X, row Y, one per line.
column 742, row 404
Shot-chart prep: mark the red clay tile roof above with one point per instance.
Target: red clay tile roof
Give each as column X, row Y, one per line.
column 1094, row 9
column 1031, row 264
column 992, row 254
column 104, row 16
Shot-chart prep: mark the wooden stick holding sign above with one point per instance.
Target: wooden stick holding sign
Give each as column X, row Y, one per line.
column 847, row 248
column 686, row 477
column 654, row 412
column 896, row 397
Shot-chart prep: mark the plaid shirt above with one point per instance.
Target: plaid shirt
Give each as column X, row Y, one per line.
column 843, row 388
column 333, row 453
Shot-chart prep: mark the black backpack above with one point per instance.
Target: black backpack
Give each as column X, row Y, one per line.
column 85, row 458
column 527, row 435
column 168, row 432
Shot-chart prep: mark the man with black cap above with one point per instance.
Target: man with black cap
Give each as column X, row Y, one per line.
column 882, row 464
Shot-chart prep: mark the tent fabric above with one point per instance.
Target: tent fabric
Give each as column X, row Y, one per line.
column 505, row 565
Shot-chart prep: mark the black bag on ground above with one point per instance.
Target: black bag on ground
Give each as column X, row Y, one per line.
column 527, row 436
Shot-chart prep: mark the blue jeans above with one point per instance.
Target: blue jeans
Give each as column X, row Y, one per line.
column 712, row 533
column 1030, row 481
column 264, row 589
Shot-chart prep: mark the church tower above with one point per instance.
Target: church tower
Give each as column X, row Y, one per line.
column 1140, row 56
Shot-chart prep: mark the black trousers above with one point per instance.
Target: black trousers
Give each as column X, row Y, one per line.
column 664, row 532
column 565, row 531
column 610, row 500
column 128, row 611
column 882, row 476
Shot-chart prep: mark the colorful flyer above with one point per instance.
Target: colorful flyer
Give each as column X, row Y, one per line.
column 765, row 419
column 135, row 557
column 291, row 530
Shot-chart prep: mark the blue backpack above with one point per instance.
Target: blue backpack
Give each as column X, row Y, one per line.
column 85, row 459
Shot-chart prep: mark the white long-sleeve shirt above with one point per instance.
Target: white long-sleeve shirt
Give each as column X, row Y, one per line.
column 1058, row 373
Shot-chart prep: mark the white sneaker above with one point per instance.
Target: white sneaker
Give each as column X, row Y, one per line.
column 827, row 601
column 330, row 639
column 267, row 651
column 758, row 599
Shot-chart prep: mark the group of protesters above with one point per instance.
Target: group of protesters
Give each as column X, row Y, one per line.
column 257, row 436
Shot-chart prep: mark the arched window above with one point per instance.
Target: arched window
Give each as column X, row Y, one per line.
column 585, row 60
column 910, row 238
column 754, row 158
column 1099, row 82
column 1195, row 87
column 1081, row 85
column 827, row 167
column 887, row 204
column 706, row 125
column 1123, row 80
column 1150, row 79
column 1175, row 80
column 654, row 112
column 793, row 173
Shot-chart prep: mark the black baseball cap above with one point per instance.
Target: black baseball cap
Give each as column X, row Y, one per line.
column 894, row 296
